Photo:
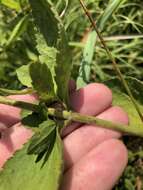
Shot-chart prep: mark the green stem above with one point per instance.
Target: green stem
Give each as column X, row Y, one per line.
column 16, row 92
column 112, row 59
column 77, row 117
column 19, row 104
column 73, row 116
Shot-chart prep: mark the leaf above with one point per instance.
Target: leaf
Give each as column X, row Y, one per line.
column 88, row 52
column 47, row 56
column 62, row 7
column 43, row 139
column 11, row 4
column 42, row 81
column 44, row 12
column 129, row 185
column 21, row 171
column 23, row 75
column 111, row 8
column 52, row 35
column 19, row 28
column 135, row 85
column 121, row 99
column 32, row 119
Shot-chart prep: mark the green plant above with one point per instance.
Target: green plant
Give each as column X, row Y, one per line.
column 48, row 75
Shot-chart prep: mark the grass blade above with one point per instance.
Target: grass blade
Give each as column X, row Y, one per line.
column 18, row 30
column 88, row 52
column 11, row 4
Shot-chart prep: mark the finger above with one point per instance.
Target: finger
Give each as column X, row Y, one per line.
column 10, row 115
column 82, row 140
column 72, row 86
column 99, row 169
column 13, row 139
column 92, row 100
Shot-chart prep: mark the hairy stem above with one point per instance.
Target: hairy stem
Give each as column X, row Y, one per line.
column 73, row 116
column 112, row 59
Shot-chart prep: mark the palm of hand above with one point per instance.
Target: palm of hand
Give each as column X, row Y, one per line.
column 94, row 157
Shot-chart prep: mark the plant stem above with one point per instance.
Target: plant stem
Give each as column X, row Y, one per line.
column 19, row 104
column 73, row 116
column 112, row 59
column 16, row 92
column 77, row 117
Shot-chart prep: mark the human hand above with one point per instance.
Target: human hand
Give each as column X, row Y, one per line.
column 94, row 157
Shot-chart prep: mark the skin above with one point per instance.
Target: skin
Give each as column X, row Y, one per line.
column 94, row 157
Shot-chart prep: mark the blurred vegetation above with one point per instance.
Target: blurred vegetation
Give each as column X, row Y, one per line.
column 123, row 34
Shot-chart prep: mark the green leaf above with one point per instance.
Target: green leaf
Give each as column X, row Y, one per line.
column 53, row 38
column 121, row 99
column 21, row 171
column 47, row 55
column 62, row 6
column 23, row 75
column 11, row 4
column 113, row 5
column 44, row 12
column 135, row 85
column 129, row 185
column 32, row 119
column 19, row 28
column 42, row 81
column 88, row 52
column 43, row 139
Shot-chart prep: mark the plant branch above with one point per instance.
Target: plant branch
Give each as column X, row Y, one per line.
column 16, row 92
column 19, row 104
column 77, row 117
column 73, row 116
column 112, row 59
